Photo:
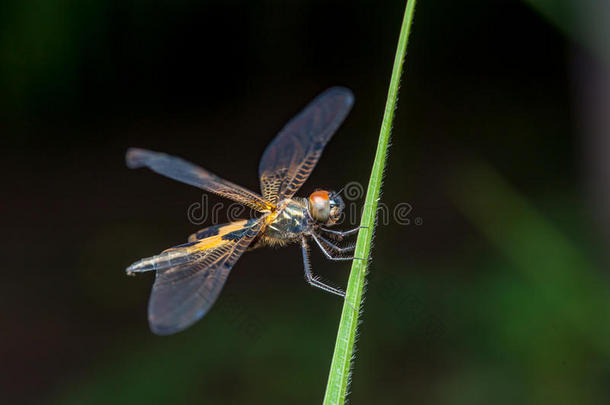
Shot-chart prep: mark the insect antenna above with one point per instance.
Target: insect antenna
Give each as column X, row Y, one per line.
column 338, row 193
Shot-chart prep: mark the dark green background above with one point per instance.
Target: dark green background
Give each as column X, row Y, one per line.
column 499, row 296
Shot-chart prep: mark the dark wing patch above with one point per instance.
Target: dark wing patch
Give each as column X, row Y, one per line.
column 223, row 229
column 205, row 233
column 291, row 156
column 235, row 235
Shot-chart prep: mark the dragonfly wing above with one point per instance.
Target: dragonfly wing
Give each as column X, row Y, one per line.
column 220, row 230
column 291, row 156
column 186, row 172
column 190, row 277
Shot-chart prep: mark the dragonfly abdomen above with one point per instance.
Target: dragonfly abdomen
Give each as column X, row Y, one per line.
column 169, row 258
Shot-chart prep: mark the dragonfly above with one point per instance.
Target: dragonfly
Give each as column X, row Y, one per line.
column 189, row 277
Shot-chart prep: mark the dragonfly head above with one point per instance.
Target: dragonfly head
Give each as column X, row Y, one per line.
column 325, row 207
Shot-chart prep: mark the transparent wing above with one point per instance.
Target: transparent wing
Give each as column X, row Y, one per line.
column 190, row 277
column 292, row 155
column 186, row 172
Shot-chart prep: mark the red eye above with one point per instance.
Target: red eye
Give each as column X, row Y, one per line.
column 318, row 196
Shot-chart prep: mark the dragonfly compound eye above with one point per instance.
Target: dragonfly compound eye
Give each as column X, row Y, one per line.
column 319, row 205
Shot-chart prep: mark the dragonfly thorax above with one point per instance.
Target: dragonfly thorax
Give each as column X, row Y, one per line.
column 291, row 220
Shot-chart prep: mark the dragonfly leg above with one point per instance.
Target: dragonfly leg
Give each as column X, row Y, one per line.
column 311, row 279
column 334, row 247
column 327, row 253
column 342, row 233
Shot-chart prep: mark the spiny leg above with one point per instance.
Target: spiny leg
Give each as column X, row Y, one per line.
column 327, row 253
column 309, row 276
column 335, row 247
column 342, row 233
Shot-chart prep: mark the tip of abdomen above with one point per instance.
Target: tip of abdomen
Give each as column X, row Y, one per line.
column 140, row 266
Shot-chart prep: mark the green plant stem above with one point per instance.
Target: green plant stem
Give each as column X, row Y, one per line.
column 339, row 376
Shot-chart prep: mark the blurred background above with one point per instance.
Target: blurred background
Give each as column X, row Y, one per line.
column 495, row 290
